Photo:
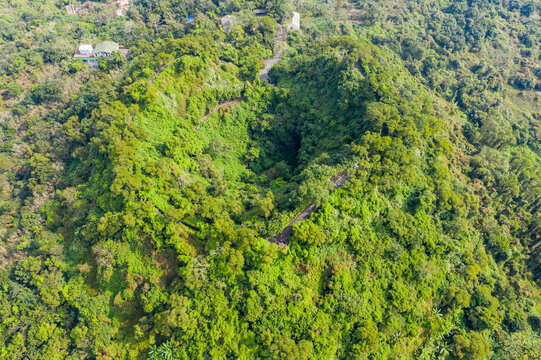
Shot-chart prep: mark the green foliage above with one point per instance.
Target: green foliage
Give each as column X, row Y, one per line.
column 137, row 200
column 470, row 346
column 307, row 233
column 46, row 92
column 165, row 351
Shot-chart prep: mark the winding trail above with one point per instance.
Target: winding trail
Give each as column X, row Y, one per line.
column 263, row 73
column 157, row 73
column 337, row 180
column 269, row 63
column 222, row 105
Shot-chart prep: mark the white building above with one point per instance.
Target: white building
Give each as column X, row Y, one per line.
column 85, row 50
column 105, row 49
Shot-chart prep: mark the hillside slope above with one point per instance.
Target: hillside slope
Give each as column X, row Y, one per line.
column 139, row 201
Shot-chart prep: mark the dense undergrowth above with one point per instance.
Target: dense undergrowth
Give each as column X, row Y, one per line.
column 133, row 229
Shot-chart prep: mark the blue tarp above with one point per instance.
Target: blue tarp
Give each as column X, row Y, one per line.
column 190, row 18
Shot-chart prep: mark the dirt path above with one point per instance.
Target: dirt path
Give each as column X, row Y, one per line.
column 157, row 73
column 269, row 63
column 337, row 180
column 263, row 73
column 288, row 230
column 281, row 239
column 220, row 106
column 160, row 70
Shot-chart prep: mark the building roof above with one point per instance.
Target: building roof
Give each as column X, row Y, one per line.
column 85, row 48
column 106, row 47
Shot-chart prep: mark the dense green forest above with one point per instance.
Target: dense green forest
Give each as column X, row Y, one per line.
column 140, row 201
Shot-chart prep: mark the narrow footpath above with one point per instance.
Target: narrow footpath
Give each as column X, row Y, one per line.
column 160, row 70
column 222, row 105
column 263, row 73
column 269, row 63
column 337, row 180
column 281, row 239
